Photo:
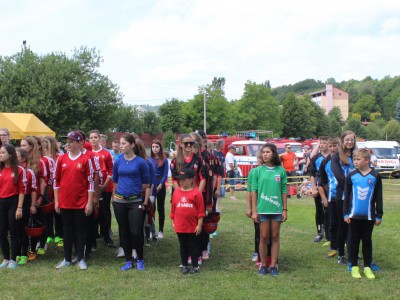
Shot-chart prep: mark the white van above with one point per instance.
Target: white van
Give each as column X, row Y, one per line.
column 385, row 152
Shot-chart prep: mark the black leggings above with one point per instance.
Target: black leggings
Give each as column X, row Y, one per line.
column 333, row 224
column 341, row 227
column 130, row 218
column 161, row 208
column 319, row 213
column 257, row 238
column 188, row 247
column 8, row 207
column 360, row 230
column 75, row 231
column 23, row 237
column 105, row 216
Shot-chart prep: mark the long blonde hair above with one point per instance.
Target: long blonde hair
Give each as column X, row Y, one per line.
column 34, row 155
column 180, row 160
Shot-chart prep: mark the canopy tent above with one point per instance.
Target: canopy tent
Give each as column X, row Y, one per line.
column 21, row 125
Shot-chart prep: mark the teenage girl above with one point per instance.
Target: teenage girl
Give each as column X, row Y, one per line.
column 187, row 212
column 342, row 165
column 269, row 204
column 29, row 206
column 12, row 191
column 131, row 180
column 73, row 198
column 160, row 163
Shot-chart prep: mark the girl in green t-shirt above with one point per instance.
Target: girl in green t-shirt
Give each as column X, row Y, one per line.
column 269, row 204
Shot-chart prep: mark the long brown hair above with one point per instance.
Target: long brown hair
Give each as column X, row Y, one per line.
column 344, row 158
column 160, row 155
column 141, row 148
column 13, row 161
column 34, row 155
column 129, row 137
column 180, row 160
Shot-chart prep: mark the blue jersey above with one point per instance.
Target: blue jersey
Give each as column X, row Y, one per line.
column 152, row 176
column 161, row 173
column 340, row 171
column 130, row 175
column 328, row 178
column 363, row 196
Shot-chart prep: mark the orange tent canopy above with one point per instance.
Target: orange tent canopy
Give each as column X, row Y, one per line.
column 21, row 125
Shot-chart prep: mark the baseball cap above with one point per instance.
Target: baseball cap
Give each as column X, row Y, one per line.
column 231, row 146
column 306, row 147
column 186, row 173
column 201, row 133
column 74, row 135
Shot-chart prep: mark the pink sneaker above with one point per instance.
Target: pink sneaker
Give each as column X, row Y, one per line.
column 205, row 255
column 199, row 261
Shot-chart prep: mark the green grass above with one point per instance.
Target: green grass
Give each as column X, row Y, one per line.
column 305, row 273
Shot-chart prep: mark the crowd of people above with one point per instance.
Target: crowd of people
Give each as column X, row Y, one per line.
column 347, row 191
column 84, row 182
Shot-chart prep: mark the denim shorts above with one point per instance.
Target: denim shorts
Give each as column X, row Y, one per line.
column 272, row 217
column 232, row 175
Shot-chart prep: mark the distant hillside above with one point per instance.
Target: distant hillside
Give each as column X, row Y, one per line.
column 305, row 86
column 149, row 108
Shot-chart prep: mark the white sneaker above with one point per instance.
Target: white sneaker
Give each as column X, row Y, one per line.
column 255, row 257
column 82, row 264
column 205, row 255
column 134, row 254
column 121, row 252
column 63, row 264
column 160, row 235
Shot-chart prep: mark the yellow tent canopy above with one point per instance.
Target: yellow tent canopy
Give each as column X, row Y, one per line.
column 21, row 125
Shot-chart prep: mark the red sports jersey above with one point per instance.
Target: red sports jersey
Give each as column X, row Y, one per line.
column 186, row 209
column 74, row 179
column 8, row 187
column 108, row 164
column 31, row 185
column 195, row 163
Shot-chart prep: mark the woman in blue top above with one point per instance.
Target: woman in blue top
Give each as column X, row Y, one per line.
column 342, row 165
column 131, row 179
column 160, row 163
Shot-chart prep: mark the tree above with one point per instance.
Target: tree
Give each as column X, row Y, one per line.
column 169, row 140
column 170, row 114
column 151, row 122
column 397, row 111
column 295, row 118
column 356, row 126
column 257, row 109
column 129, row 119
column 365, row 106
column 392, row 131
column 64, row 92
column 335, row 121
column 374, row 132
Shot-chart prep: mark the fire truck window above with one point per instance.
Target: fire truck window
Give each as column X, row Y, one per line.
column 239, row 150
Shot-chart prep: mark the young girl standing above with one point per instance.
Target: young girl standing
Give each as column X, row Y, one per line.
column 12, row 191
column 269, row 204
column 187, row 212
column 160, row 163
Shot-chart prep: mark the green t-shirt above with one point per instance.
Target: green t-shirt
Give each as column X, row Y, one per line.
column 270, row 184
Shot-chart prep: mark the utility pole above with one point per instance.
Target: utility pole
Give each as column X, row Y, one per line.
column 205, row 118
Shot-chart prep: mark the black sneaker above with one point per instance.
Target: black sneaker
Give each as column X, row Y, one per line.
column 298, row 196
column 341, row 260
column 185, row 270
column 194, row 270
column 288, row 196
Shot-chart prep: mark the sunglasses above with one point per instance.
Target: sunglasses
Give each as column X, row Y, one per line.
column 288, row 147
column 186, row 144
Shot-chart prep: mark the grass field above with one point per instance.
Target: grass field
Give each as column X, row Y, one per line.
column 305, row 273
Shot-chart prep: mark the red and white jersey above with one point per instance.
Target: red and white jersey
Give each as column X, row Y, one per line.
column 74, row 179
column 50, row 164
column 106, row 157
column 9, row 187
column 31, row 185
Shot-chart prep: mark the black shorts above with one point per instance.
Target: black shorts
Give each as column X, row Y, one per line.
column 291, row 173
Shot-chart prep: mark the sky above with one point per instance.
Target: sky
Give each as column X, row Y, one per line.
column 156, row 50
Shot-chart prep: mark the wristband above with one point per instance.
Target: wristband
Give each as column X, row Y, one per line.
column 19, row 208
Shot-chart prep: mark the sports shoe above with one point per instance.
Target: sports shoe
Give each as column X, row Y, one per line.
column 205, row 255
column 189, row 260
column 127, row 266
column 134, row 254
column 255, row 257
column 318, row 238
column 332, row 253
column 120, row 252
column 12, row 264
column 57, row 239
column 368, row 273
column 349, row 267
column 94, row 248
column 140, row 264
column 32, row 256
column 74, row 260
column 263, row 270
column 341, row 260
column 185, row 270
column 199, row 261
column 374, row 267
column 23, row 260
column 41, row 251
column 4, row 263
column 194, row 270
column 326, row 244
column 82, row 264
column 214, row 233
column 63, row 264
column 60, row 243
column 49, row 240
column 160, row 235
column 273, row 271
column 355, row 272
column 147, row 243
column 18, row 258
column 298, row 196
